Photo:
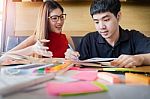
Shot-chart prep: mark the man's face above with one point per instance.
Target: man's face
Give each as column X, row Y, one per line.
column 107, row 24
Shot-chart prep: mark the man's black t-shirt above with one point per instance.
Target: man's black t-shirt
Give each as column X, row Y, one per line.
column 130, row 43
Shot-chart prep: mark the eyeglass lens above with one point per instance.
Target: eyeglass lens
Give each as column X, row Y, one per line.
column 55, row 18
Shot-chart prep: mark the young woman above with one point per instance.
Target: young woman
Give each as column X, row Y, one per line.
column 48, row 39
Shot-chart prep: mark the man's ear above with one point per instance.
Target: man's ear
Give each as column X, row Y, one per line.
column 119, row 16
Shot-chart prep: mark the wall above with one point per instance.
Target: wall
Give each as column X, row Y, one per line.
column 136, row 16
column 79, row 22
column 26, row 16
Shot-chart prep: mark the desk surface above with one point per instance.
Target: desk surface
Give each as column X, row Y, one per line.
column 117, row 91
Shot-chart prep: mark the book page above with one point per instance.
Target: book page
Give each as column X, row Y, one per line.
column 98, row 60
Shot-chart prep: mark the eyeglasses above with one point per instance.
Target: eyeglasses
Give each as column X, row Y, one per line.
column 55, row 18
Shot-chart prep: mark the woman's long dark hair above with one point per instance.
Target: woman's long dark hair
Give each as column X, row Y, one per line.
column 42, row 28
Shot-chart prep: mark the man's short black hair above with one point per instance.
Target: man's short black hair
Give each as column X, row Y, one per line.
column 101, row 6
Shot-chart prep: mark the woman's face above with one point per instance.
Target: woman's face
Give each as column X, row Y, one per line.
column 56, row 20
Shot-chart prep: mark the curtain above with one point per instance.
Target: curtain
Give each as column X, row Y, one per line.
column 8, row 22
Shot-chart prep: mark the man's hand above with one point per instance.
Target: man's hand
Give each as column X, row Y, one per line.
column 128, row 61
column 72, row 55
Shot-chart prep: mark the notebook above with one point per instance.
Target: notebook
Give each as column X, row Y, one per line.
column 10, row 83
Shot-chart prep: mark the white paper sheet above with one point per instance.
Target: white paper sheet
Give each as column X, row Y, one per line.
column 98, row 60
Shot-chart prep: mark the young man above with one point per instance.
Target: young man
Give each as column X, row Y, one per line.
column 131, row 48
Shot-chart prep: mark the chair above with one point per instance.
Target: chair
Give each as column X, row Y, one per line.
column 76, row 41
column 13, row 41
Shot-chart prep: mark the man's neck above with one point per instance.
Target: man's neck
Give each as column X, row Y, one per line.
column 113, row 39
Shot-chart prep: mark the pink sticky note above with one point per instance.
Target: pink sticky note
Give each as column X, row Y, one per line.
column 86, row 75
column 58, row 88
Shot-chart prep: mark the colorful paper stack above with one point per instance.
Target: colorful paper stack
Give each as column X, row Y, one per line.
column 51, row 69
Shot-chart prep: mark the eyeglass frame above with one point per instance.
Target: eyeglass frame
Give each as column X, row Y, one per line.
column 58, row 17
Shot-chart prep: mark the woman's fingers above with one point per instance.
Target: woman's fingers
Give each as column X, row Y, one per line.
column 72, row 55
column 44, row 53
column 40, row 49
column 44, row 41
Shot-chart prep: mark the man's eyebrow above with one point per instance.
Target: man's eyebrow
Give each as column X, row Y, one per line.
column 102, row 17
column 105, row 16
column 95, row 19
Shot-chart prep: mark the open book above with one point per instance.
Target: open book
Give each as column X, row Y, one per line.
column 96, row 62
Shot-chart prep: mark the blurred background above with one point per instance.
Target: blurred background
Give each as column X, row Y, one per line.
column 18, row 17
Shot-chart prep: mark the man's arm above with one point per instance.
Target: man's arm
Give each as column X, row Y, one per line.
column 146, row 60
column 132, row 60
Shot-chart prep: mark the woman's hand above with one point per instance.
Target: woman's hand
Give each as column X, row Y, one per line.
column 128, row 61
column 40, row 49
column 72, row 55
column 3, row 58
column 37, row 48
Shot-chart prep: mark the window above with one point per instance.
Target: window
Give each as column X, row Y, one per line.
column 1, row 9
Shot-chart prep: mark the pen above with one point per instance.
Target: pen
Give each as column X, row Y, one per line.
column 70, row 47
column 76, row 56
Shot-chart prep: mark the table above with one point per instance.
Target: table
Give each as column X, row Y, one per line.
column 116, row 91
